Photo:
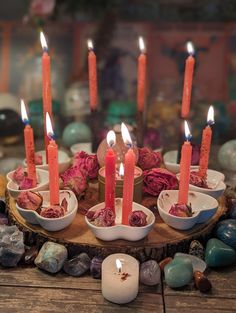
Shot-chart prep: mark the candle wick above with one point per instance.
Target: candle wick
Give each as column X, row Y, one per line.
column 26, row 121
column 51, row 136
column 210, row 123
column 45, row 49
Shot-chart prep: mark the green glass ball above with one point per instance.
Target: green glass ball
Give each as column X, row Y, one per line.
column 76, row 132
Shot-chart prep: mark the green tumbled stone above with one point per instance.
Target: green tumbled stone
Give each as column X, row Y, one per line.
column 178, row 272
column 219, row 254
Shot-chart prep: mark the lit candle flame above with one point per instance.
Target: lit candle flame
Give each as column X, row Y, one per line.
column 210, row 116
column 43, row 42
column 118, row 265
column 90, row 44
column 141, row 45
column 188, row 135
column 49, row 129
column 126, row 135
column 190, row 48
column 24, row 115
column 111, row 138
column 121, row 170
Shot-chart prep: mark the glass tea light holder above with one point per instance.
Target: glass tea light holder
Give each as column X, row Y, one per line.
column 138, row 183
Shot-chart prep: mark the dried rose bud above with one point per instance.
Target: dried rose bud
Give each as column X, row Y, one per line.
column 53, row 211
column 197, row 180
column 181, row 210
column 138, row 219
column 29, row 200
column 19, row 175
column 90, row 215
column 26, row 183
column 103, row 217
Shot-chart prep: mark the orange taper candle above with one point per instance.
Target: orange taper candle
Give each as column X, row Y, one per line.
column 188, row 79
column 206, row 144
column 46, row 83
column 92, row 69
column 128, row 187
column 29, row 146
column 141, row 81
column 185, row 163
column 52, row 164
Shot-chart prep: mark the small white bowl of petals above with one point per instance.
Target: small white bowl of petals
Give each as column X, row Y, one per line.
column 213, row 186
column 200, row 208
column 107, row 226
column 170, row 161
column 18, row 181
column 40, row 159
column 36, row 209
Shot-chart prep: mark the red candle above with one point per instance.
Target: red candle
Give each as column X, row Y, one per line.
column 110, row 172
column 206, row 144
column 52, row 164
column 141, row 88
column 185, row 163
column 29, row 145
column 128, row 187
column 46, row 82
column 92, row 69
column 188, row 79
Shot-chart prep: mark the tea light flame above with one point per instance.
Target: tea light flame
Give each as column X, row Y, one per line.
column 210, row 116
column 126, row 135
column 190, row 47
column 49, row 129
column 90, row 44
column 43, row 42
column 24, row 115
column 118, row 265
column 121, row 170
column 141, row 45
column 111, row 138
column 188, row 135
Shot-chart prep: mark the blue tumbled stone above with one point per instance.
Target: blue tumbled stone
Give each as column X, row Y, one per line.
column 226, row 232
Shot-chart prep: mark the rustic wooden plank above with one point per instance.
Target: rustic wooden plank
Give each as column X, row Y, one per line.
column 45, row 300
column 33, row 277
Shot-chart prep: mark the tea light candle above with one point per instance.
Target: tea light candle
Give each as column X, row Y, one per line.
column 120, row 278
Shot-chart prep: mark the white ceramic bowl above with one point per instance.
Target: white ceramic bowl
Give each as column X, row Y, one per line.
column 63, row 160
column 52, row 224
column 170, row 161
column 215, row 180
column 43, row 183
column 120, row 231
column 203, row 206
column 83, row 146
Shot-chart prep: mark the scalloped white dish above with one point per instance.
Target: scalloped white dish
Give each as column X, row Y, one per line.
column 43, row 183
column 63, row 161
column 215, row 180
column 170, row 161
column 119, row 231
column 52, row 224
column 203, row 206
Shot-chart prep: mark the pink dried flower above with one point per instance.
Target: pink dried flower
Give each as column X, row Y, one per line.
column 19, row 175
column 75, row 180
column 181, row 210
column 158, row 179
column 55, row 211
column 87, row 163
column 26, row 183
column 197, row 180
column 29, row 200
column 102, row 217
column 138, row 219
column 149, row 159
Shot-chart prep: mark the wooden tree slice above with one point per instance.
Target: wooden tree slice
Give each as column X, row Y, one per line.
column 162, row 241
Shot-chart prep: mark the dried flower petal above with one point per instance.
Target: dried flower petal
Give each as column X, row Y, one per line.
column 29, row 200
column 102, row 217
column 138, row 219
column 181, row 210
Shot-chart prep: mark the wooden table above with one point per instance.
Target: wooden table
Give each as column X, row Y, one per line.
column 31, row 290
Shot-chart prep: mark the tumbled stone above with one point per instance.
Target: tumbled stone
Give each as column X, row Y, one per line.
column 3, row 219
column 150, row 273
column 164, row 262
column 197, row 249
column 77, row 266
column 96, row 267
column 219, row 254
column 226, row 232
column 198, row 264
column 11, row 245
column 30, row 255
column 178, row 272
column 202, row 282
column 51, row 257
